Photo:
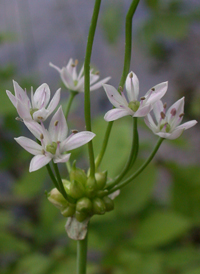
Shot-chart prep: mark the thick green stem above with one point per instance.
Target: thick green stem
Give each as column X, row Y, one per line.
column 132, row 157
column 60, row 184
column 127, row 61
column 87, row 81
column 82, row 255
column 132, row 177
column 69, row 103
column 104, row 145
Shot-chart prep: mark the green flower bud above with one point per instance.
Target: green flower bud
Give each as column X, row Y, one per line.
column 90, row 187
column 68, row 211
column 78, row 175
column 108, row 203
column 84, row 205
column 99, row 206
column 101, row 193
column 101, row 178
column 80, row 216
column 57, row 199
column 74, row 189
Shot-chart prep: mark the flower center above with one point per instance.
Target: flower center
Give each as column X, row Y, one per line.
column 32, row 110
column 166, row 126
column 134, row 105
column 75, row 83
column 52, row 148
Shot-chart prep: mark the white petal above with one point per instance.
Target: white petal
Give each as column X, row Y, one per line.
column 80, row 73
column 117, row 113
column 77, row 140
column 23, row 112
column 143, row 111
column 150, row 123
column 67, row 79
column 12, row 98
column 132, row 87
column 20, row 94
column 34, row 128
column 157, row 109
column 100, row 83
column 40, row 115
column 62, row 158
column 29, row 145
column 93, row 78
column 175, row 120
column 58, row 126
column 114, row 97
column 187, row 125
column 38, row 162
column 54, row 102
column 80, row 86
column 42, row 96
column 53, row 66
column 156, row 93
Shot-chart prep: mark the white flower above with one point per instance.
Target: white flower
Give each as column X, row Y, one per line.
column 54, row 142
column 168, row 123
column 132, row 107
column 36, row 108
column 74, row 81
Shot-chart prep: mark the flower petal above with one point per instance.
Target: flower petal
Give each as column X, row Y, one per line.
column 40, row 115
column 12, row 98
column 67, row 79
column 29, row 145
column 58, row 126
column 34, row 128
column 62, row 158
column 100, row 83
column 175, row 120
column 42, row 96
column 23, row 112
column 38, row 162
column 114, row 97
column 157, row 109
column 132, row 86
column 117, row 113
column 54, row 102
column 142, row 111
column 76, row 140
column 21, row 94
column 150, row 123
column 156, row 93
column 187, row 125
column 53, row 66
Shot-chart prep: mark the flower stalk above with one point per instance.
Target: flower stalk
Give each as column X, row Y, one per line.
column 82, row 255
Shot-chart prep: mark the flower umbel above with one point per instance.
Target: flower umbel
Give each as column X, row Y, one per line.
column 168, row 123
column 54, row 141
column 132, row 107
column 74, row 81
column 36, row 108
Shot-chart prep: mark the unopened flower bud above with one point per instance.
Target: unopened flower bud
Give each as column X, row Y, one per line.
column 108, row 203
column 101, row 193
column 57, row 199
column 74, row 189
column 91, row 187
column 68, row 211
column 84, row 205
column 99, row 206
column 101, row 178
column 80, row 216
column 77, row 174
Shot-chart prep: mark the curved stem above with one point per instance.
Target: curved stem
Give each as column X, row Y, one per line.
column 52, row 176
column 61, row 187
column 128, row 180
column 82, row 255
column 132, row 157
column 69, row 102
column 127, row 60
column 104, row 145
column 87, row 81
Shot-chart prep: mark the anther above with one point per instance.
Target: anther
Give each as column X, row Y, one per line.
column 19, row 119
column 142, row 98
column 73, row 65
column 56, row 123
column 41, row 136
column 153, row 89
column 120, row 88
column 74, row 131
column 165, row 105
column 173, row 112
column 162, row 115
column 40, row 118
column 181, row 115
column 97, row 73
column 131, row 75
column 43, row 152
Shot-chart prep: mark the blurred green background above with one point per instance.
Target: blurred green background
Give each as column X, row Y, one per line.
column 155, row 227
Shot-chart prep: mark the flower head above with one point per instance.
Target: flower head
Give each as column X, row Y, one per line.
column 36, row 108
column 74, row 81
column 168, row 123
column 132, row 107
column 54, row 141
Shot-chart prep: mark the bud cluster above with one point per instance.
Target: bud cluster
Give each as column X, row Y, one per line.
column 88, row 192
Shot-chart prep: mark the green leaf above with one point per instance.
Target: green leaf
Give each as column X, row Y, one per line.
column 159, row 228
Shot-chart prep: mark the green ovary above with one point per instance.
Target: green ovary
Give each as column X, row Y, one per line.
column 75, row 83
column 134, row 105
column 52, row 148
column 167, row 129
column 33, row 110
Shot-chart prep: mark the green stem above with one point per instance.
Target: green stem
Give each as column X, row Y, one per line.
column 87, row 81
column 82, row 255
column 104, row 145
column 131, row 178
column 69, row 102
column 52, row 176
column 132, row 157
column 127, row 61
column 61, row 187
